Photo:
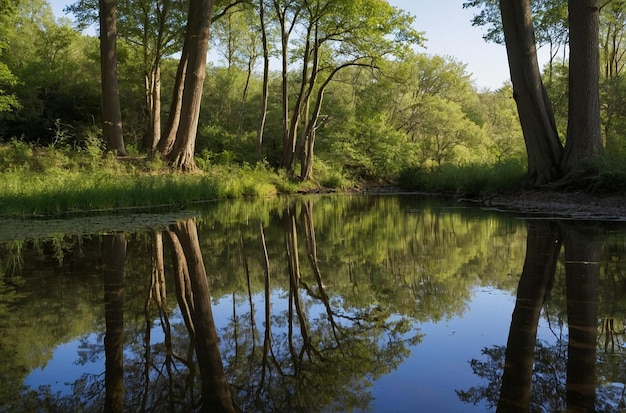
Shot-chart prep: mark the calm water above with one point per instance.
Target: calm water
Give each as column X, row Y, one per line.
column 317, row 304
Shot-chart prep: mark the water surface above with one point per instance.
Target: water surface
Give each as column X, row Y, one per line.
column 328, row 304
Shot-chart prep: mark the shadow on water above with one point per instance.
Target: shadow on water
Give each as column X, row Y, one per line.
column 305, row 304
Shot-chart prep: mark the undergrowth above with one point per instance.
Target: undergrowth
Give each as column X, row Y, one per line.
column 56, row 180
column 471, row 179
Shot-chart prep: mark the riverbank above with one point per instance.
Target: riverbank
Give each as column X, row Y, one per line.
column 539, row 203
column 571, row 205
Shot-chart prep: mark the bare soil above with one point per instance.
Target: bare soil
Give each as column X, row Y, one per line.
column 543, row 203
column 573, row 205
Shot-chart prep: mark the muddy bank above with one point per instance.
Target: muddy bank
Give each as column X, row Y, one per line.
column 539, row 203
column 572, row 205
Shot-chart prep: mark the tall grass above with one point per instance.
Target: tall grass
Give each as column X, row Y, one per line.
column 473, row 179
column 36, row 181
column 605, row 173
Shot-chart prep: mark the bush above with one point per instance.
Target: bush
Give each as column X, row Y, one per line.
column 606, row 173
column 465, row 179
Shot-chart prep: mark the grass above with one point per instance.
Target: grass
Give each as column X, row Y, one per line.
column 48, row 181
column 53, row 181
column 470, row 179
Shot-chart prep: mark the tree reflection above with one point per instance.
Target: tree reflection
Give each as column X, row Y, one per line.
column 542, row 252
column 114, row 270
column 530, row 375
column 215, row 391
column 317, row 355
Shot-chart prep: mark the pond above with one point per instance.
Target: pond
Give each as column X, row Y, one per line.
column 393, row 303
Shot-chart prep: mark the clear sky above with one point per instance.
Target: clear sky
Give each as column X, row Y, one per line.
column 449, row 32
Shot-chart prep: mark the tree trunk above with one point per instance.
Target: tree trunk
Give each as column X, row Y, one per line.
column 535, row 110
column 287, row 145
column 266, row 73
column 166, row 143
column 153, row 103
column 542, row 253
column 584, row 137
column 111, row 110
column 197, row 41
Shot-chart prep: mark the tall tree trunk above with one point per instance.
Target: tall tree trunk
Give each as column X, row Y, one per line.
column 153, row 104
column 111, row 110
column 287, row 145
column 114, row 269
column 584, row 137
column 166, row 143
column 535, row 110
column 542, row 252
column 266, row 73
column 197, row 41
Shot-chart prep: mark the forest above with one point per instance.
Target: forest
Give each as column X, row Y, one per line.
column 324, row 93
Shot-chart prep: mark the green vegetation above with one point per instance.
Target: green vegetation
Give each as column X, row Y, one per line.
column 404, row 118
column 52, row 181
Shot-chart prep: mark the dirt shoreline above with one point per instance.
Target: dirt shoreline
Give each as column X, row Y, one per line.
column 541, row 203
column 571, row 205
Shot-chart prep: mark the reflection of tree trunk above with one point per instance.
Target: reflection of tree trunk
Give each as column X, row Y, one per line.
column 114, row 261
column 216, row 395
column 158, row 295
column 181, row 281
column 268, row 308
column 291, row 238
column 291, row 246
column 311, row 247
column 542, row 252
column 582, row 256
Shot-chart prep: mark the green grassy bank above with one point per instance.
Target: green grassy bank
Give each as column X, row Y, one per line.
column 36, row 181
column 50, row 181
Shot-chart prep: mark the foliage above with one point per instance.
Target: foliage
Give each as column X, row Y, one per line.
column 52, row 181
column 385, row 118
column 604, row 174
column 469, row 179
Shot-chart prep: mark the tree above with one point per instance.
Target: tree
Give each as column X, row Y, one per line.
column 547, row 162
column 584, row 138
column 338, row 34
column 192, row 68
column 8, row 101
column 111, row 109
column 534, row 107
column 154, row 29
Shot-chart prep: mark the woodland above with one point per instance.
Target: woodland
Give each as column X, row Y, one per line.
column 322, row 93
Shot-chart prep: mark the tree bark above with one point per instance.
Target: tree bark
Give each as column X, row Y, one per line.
column 153, row 104
column 111, row 110
column 197, row 41
column 542, row 252
column 535, row 110
column 166, row 143
column 584, row 136
column 266, row 73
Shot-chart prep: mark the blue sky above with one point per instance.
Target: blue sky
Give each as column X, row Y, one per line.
column 449, row 32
